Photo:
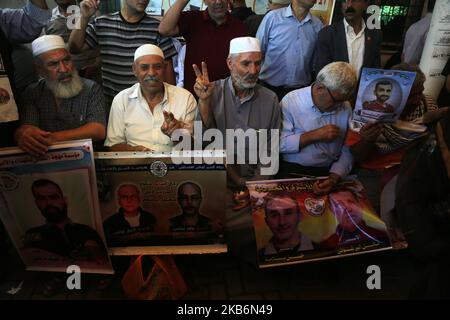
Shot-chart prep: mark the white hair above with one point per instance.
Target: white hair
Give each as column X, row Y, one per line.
column 233, row 56
column 128, row 184
column 338, row 76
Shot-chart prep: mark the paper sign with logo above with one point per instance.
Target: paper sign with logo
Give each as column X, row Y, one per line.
column 153, row 204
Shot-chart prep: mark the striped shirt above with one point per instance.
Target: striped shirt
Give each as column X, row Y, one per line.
column 118, row 40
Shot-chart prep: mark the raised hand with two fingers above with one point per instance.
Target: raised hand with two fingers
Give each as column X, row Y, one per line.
column 203, row 87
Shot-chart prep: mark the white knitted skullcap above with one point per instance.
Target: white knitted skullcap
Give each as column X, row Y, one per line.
column 244, row 44
column 148, row 49
column 47, row 43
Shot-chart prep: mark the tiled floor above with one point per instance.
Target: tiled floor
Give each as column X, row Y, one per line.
column 225, row 276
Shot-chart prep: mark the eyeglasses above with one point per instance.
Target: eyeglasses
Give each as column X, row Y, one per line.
column 335, row 101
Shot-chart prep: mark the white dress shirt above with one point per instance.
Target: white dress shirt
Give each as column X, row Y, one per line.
column 131, row 121
column 355, row 45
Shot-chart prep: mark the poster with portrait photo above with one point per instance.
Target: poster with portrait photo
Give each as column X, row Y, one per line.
column 152, row 205
column 323, row 9
column 50, row 208
column 293, row 225
column 382, row 95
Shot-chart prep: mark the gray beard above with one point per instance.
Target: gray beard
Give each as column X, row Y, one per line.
column 66, row 90
column 242, row 84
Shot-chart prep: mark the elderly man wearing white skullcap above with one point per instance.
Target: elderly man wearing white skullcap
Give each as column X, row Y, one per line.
column 239, row 102
column 143, row 117
column 61, row 106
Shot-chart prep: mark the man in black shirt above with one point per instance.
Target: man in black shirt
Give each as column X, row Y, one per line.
column 131, row 220
column 190, row 200
column 59, row 235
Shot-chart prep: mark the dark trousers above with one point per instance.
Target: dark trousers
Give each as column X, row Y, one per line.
column 7, row 133
column 289, row 170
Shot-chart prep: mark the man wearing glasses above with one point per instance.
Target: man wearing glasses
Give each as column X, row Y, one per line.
column 131, row 222
column 314, row 127
column 190, row 200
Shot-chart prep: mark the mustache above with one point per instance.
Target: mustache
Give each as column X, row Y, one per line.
column 250, row 77
column 350, row 10
column 64, row 75
column 151, row 79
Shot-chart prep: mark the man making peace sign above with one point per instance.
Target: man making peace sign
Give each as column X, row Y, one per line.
column 238, row 102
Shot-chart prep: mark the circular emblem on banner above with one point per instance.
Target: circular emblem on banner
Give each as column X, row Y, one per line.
column 315, row 207
column 158, row 168
column 8, row 181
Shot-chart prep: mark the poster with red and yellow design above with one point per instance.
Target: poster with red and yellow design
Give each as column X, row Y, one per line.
column 294, row 225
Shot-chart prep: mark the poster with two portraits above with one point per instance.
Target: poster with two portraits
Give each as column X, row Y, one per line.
column 56, row 208
column 293, row 225
column 180, row 201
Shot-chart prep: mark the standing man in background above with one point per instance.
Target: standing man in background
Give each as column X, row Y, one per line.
column 208, row 34
column 253, row 21
column 349, row 40
column 240, row 9
column 288, row 37
column 416, row 36
column 118, row 35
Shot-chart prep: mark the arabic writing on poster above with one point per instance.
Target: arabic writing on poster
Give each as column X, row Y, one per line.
column 47, row 158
